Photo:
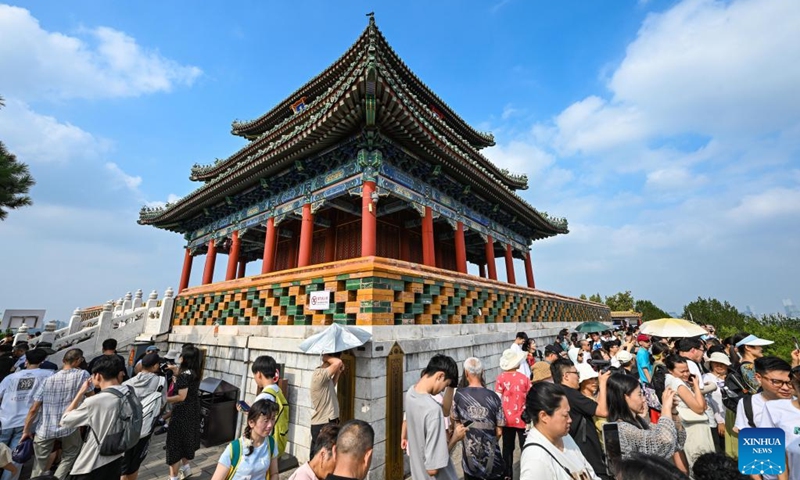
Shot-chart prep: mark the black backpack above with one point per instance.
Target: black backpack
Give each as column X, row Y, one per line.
column 735, row 389
column 659, row 380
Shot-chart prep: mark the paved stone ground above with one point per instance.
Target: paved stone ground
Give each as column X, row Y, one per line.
column 205, row 462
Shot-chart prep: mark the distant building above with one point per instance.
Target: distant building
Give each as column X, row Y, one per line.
column 791, row 309
column 14, row 318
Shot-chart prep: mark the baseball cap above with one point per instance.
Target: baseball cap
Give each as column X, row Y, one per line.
column 643, row 338
column 152, row 348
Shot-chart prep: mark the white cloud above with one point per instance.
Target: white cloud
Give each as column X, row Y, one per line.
column 674, row 179
column 123, row 179
column 768, row 205
column 680, row 174
column 97, row 63
column 41, row 139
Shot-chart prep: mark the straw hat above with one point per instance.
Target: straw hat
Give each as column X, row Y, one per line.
column 511, row 359
column 541, row 372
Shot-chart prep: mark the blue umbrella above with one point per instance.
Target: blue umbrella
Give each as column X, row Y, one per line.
column 335, row 338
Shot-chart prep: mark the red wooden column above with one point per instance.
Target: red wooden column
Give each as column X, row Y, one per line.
column 233, row 257
column 510, row 276
column 529, row 270
column 428, row 250
column 211, row 260
column 330, row 243
column 369, row 221
column 242, row 269
column 490, row 264
column 405, row 247
column 482, row 270
column 269, row 247
column 306, row 236
column 461, row 249
column 187, row 270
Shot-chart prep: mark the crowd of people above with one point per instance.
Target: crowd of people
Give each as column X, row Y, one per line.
column 605, row 405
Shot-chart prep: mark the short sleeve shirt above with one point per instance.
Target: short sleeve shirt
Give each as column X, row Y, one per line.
column 513, row 389
column 642, row 363
column 56, row 393
column 17, row 392
column 581, row 410
column 784, row 415
column 427, row 437
column 758, row 411
column 481, row 452
column 323, row 397
column 251, row 466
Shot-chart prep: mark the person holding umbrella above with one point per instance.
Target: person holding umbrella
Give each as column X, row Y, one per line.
column 323, row 392
column 330, row 343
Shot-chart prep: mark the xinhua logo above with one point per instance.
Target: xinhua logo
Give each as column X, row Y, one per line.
column 762, row 451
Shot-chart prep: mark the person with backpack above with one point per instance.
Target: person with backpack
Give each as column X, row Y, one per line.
column 748, row 348
column 108, row 432
column 265, row 373
column 183, row 435
column 151, row 389
column 773, row 374
column 254, row 454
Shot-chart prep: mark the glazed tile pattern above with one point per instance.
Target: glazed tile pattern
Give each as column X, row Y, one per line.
column 380, row 298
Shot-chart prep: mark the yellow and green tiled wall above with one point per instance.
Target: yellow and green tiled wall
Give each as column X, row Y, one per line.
column 377, row 300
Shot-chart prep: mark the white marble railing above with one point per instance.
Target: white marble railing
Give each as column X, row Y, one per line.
column 124, row 320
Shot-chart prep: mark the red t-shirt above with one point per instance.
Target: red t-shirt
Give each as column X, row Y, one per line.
column 513, row 388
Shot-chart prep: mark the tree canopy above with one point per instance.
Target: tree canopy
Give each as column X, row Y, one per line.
column 649, row 310
column 620, row 302
column 15, row 181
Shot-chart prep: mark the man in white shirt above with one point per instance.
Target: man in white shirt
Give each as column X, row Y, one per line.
column 16, row 392
column 100, row 414
column 774, row 375
column 524, row 368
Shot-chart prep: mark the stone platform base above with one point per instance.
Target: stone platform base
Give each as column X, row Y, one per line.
column 379, row 373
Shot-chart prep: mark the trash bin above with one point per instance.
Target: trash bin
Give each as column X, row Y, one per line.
column 217, row 411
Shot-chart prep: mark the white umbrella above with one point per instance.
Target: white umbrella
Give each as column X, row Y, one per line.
column 672, row 327
column 335, row 338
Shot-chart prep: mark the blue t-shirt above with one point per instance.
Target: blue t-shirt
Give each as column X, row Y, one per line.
column 253, row 466
column 642, row 362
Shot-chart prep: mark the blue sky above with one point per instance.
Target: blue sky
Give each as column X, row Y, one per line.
column 667, row 132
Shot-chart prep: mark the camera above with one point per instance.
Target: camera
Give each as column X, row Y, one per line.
column 600, row 365
column 164, row 364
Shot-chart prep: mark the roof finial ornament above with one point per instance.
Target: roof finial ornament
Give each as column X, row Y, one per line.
column 371, row 16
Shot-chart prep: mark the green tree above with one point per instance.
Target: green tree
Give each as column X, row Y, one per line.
column 596, row 298
column 15, row 182
column 583, row 296
column 621, row 301
column 649, row 310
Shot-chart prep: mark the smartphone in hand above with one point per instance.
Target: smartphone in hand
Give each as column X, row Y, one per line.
column 467, row 423
column 243, row 406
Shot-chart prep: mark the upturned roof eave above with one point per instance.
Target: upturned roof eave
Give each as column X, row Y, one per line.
column 257, row 126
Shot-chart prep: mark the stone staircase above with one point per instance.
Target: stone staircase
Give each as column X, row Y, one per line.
column 128, row 320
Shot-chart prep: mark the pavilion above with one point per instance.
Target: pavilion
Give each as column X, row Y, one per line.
column 364, row 195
